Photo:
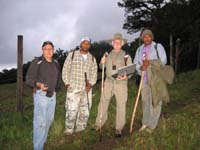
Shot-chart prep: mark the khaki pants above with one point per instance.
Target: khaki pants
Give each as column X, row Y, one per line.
column 120, row 91
column 77, row 112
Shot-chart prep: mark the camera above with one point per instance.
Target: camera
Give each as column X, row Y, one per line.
column 49, row 93
column 114, row 67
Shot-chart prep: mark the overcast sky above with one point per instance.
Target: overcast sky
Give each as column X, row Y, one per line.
column 63, row 22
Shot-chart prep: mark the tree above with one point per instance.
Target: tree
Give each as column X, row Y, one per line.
column 99, row 48
column 140, row 14
column 179, row 18
column 60, row 56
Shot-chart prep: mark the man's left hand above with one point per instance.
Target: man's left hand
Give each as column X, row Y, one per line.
column 125, row 77
column 88, row 87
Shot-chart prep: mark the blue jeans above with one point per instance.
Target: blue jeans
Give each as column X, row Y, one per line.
column 44, row 109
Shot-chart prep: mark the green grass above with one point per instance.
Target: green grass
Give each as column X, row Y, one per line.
column 178, row 127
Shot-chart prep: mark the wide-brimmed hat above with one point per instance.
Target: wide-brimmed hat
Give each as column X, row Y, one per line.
column 119, row 36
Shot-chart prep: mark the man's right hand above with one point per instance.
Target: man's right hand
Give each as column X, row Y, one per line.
column 41, row 86
column 145, row 65
column 143, row 68
column 67, row 86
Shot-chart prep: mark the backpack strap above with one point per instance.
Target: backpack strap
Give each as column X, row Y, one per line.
column 156, row 48
column 93, row 58
column 139, row 49
column 73, row 54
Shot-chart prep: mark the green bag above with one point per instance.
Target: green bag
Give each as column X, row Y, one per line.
column 167, row 72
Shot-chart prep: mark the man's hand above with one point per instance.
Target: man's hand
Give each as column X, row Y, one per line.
column 88, row 86
column 146, row 62
column 145, row 65
column 103, row 59
column 67, row 86
column 125, row 77
column 41, row 86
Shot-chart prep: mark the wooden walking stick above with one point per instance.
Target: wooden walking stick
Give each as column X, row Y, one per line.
column 136, row 102
column 138, row 96
column 87, row 92
column 100, row 117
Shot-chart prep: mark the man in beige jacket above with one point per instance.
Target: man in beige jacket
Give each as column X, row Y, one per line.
column 116, row 58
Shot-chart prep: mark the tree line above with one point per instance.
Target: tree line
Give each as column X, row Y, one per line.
column 97, row 50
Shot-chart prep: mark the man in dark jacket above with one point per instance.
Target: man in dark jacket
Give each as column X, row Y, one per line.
column 44, row 77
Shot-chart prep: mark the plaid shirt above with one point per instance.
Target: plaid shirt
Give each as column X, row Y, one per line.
column 73, row 72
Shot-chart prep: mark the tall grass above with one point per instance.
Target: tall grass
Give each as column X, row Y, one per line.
column 178, row 128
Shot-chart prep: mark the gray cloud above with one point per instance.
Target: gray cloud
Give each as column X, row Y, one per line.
column 63, row 22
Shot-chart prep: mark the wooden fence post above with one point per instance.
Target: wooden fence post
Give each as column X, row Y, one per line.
column 19, row 92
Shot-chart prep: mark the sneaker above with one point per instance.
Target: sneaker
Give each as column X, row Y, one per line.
column 143, row 127
column 95, row 128
column 149, row 130
column 118, row 133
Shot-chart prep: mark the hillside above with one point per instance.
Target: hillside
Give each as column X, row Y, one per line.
column 178, row 127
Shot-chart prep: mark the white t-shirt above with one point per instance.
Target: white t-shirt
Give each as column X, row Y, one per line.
column 84, row 56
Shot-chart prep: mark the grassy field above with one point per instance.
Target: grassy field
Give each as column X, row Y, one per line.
column 178, row 128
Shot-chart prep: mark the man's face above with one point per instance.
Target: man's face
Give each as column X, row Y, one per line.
column 147, row 39
column 117, row 44
column 48, row 51
column 85, row 45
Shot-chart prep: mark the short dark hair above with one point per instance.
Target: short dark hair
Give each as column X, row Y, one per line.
column 47, row 43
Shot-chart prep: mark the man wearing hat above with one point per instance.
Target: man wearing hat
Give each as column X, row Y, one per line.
column 116, row 58
column 78, row 66
column 145, row 54
column 45, row 78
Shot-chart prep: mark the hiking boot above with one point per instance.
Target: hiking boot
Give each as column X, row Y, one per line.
column 118, row 133
column 143, row 128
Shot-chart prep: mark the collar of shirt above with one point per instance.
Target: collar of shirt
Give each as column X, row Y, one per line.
column 44, row 59
column 83, row 57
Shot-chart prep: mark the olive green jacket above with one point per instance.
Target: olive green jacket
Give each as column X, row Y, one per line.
column 115, row 59
column 157, row 84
